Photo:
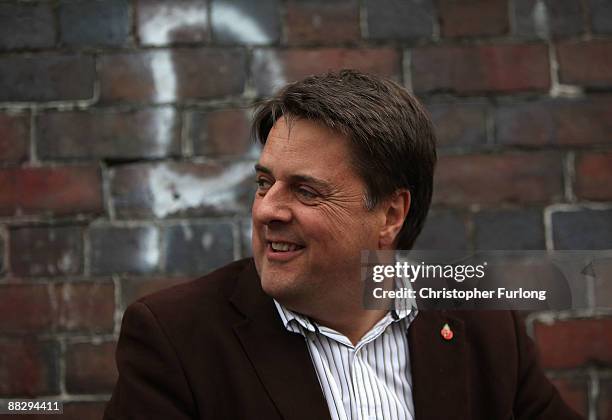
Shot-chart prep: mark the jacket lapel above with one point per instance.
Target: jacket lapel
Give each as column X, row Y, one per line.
column 279, row 357
column 440, row 381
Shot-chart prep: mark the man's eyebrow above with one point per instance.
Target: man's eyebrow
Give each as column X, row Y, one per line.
column 316, row 182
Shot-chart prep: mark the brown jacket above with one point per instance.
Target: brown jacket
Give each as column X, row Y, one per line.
column 215, row 348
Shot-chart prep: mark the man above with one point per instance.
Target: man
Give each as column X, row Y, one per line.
column 347, row 165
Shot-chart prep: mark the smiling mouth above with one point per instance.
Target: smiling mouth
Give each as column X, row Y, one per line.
column 284, row 246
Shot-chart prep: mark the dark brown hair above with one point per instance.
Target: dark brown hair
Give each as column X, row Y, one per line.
column 391, row 136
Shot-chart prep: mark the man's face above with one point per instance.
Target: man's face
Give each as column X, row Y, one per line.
column 309, row 218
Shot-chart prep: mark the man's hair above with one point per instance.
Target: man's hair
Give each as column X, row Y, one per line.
column 391, row 137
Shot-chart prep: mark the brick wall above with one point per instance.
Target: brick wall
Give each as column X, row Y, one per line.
column 125, row 161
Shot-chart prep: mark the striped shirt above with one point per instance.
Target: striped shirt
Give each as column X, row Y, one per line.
column 369, row 380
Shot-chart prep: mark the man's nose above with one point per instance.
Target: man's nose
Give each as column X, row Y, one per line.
column 274, row 206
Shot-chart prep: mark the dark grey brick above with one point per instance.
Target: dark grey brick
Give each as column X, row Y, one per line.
column 444, row 230
column 46, row 251
column 117, row 249
column 94, row 22
column 404, row 19
column 550, row 17
column 582, row 229
column 46, row 77
column 26, row 25
column 222, row 133
column 233, row 20
column 601, row 16
column 459, row 124
column 509, row 230
column 198, row 248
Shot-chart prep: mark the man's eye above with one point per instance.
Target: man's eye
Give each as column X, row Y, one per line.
column 306, row 193
column 263, row 184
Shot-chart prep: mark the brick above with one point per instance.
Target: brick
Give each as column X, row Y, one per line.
column 496, row 179
column 50, row 191
column 582, row 229
column 133, row 288
column 560, row 122
column 28, row 368
column 14, row 137
column 509, row 229
column 116, row 249
column 46, row 251
column 25, row 308
column 147, row 133
column 90, row 368
column 245, row 21
column 161, row 22
column 222, row 133
column 543, row 19
column 144, row 76
column 46, row 77
column 188, row 189
column 2, row 248
column 574, row 343
column 198, row 248
column 295, row 64
column 84, row 410
column 322, row 22
column 601, row 269
column 459, row 124
column 473, row 17
column 585, row 63
column 593, row 175
column 94, row 22
column 574, row 392
column 26, row 25
column 479, row 69
column 601, row 17
column 84, row 307
column 443, row 230
column 604, row 403
column 394, row 19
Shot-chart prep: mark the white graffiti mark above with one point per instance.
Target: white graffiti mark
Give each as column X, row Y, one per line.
column 218, row 192
column 150, row 248
column 163, row 131
column 157, row 30
column 540, row 20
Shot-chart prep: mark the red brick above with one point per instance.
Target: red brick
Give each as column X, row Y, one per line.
column 84, row 306
column 586, row 63
column 575, row 343
column 574, row 392
column 28, row 368
column 556, row 122
column 84, row 410
column 322, row 21
column 143, row 133
column 459, row 124
column 50, row 191
column 162, row 190
column 90, row 368
column 14, row 137
column 195, row 74
column 134, row 288
column 473, row 17
column 46, row 251
column 496, row 179
column 46, row 77
column 479, row 69
column 158, row 24
column 298, row 63
column 222, row 133
column 25, row 308
column 593, row 175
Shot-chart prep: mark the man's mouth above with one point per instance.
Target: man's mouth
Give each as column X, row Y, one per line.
column 284, row 246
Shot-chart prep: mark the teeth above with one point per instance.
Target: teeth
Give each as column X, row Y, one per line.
column 282, row 246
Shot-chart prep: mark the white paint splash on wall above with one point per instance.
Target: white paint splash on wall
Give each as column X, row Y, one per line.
column 233, row 20
column 168, row 18
column 173, row 192
column 540, row 20
column 150, row 249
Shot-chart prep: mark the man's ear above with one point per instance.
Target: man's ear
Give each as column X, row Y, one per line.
column 396, row 209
